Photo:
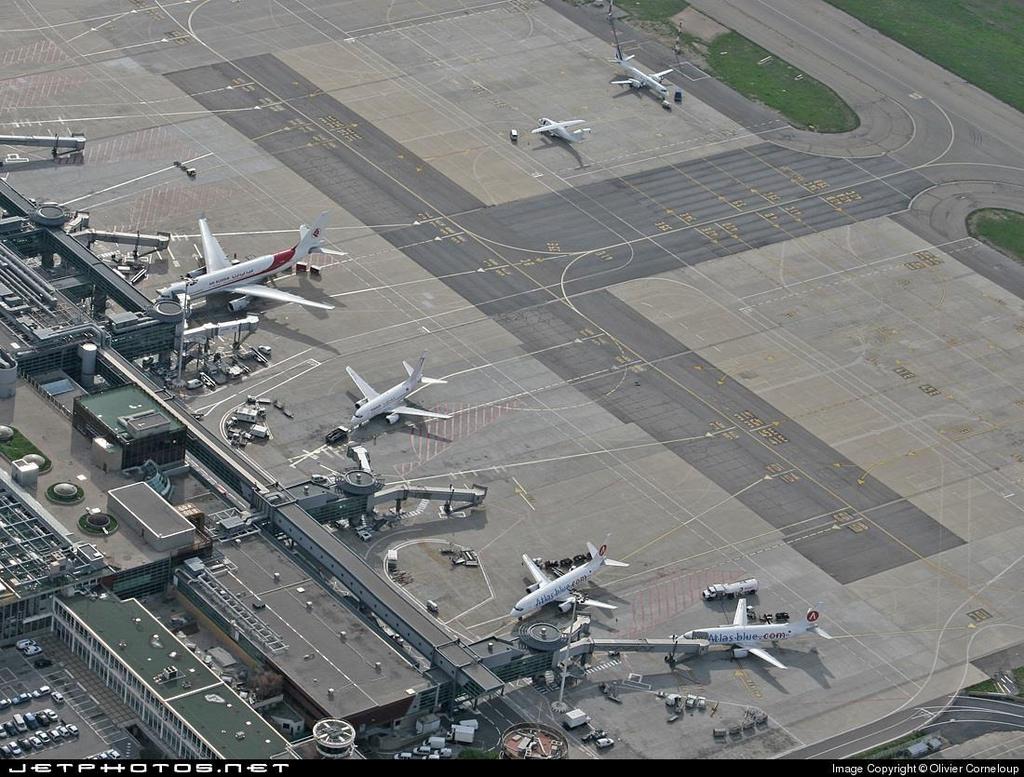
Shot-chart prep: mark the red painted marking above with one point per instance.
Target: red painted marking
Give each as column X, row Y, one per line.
column 602, row 551
column 812, row 615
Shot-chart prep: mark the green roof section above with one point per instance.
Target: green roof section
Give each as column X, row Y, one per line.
column 234, row 728
column 122, row 401
column 127, row 628
column 213, row 709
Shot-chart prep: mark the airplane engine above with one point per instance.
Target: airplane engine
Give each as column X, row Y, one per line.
column 740, row 653
column 565, row 606
column 393, row 418
column 532, row 587
column 361, row 402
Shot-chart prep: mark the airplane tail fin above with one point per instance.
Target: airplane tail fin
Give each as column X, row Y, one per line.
column 416, row 373
column 310, row 237
column 602, row 553
column 811, row 621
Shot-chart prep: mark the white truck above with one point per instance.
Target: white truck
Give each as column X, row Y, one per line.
column 574, row 719
column 462, row 734
column 730, row 590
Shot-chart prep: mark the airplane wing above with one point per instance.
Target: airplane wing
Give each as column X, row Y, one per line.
column 740, row 618
column 626, row 82
column 662, row 74
column 406, row 410
column 595, row 603
column 535, row 572
column 764, row 655
column 265, row 292
column 213, row 254
column 368, row 391
column 567, row 597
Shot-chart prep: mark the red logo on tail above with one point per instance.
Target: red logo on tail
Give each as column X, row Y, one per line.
column 316, row 232
column 601, row 552
column 812, row 616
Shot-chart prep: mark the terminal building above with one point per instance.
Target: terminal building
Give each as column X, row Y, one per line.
column 179, row 702
column 134, row 423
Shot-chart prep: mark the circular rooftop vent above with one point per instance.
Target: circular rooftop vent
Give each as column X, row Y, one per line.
column 66, row 490
column 167, row 310
column 6, row 434
column 50, row 214
column 334, row 737
column 545, row 637
column 359, row 481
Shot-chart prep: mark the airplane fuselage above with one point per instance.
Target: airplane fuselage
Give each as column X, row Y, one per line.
column 646, row 81
column 385, row 403
column 558, row 588
column 745, row 635
column 224, row 280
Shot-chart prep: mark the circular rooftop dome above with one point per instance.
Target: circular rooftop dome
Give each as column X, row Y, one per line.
column 6, row 433
column 39, row 461
column 359, row 481
column 66, row 490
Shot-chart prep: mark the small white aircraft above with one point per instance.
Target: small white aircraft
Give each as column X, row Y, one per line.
column 562, row 589
column 392, row 401
column 559, row 129
column 246, row 278
column 637, row 78
column 746, row 639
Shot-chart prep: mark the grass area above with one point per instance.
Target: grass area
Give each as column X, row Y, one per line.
column 655, row 15
column 985, row 686
column 476, row 753
column 19, row 446
column 756, row 73
column 889, row 749
column 982, row 41
column 1001, row 229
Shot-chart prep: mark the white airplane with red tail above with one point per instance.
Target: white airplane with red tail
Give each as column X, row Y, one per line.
column 220, row 276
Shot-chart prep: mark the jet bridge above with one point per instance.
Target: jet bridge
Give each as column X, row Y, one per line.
column 454, row 498
column 71, row 144
column 687, row 647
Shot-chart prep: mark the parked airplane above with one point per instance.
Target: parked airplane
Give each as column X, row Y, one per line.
column 545, row 590
column 745, row 639
column 246, row 278
column 558, row 129
column 637, row 78
column 392, row 401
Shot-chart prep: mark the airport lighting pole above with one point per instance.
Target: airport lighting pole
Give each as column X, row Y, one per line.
column 565, row 663
column 184, row 325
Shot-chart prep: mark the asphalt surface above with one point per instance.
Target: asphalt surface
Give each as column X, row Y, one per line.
column 626, row 228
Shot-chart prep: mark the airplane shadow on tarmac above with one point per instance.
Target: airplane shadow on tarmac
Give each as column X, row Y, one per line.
column 546, row 143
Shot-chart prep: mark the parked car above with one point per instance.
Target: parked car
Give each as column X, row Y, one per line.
column 6, row 750
column 55, row 734
column 64, row 732
column 33, row 650
column 44, row 690
column 10, row 728
column 16, row 749
column 50, row 714
column 403, row 756
column 21, row 698
column 25, row 745
column 31, row 721
column 57, row 696
column 37, row 743
column 24, row 644
column 5, row 703
column 73, row 729
column 604, row 742
column 43, row 737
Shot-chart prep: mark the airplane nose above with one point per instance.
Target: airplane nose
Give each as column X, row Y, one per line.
column 688, row 635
